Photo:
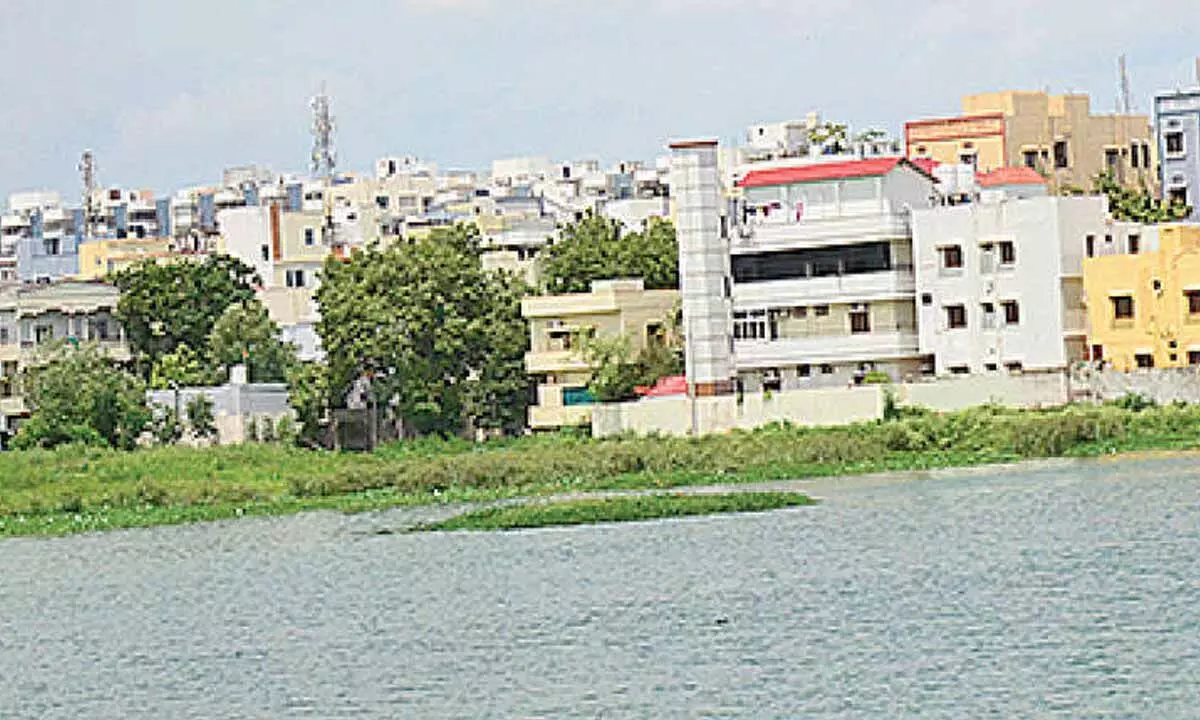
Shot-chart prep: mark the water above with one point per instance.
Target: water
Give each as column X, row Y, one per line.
column 1062, row 591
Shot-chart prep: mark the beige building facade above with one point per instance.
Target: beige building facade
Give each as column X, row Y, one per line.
column 613, row 308
column 1057, row 135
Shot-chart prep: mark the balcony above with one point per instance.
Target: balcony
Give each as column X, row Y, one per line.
column 863, row 287
column 760, row 354
column 12, row 406
column 555, row 361
column 769, row 236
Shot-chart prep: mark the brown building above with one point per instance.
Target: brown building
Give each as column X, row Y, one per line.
column 1057, row 135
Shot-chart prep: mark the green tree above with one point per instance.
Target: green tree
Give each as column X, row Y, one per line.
column 182, row 367
column 595, row 249
column 308, row 395
column 245, row 334
column 617, row 370
column 165, row 427
column 201, row 418
column 424, row 330
column 833, row 136
column 81, row 395
column 164, row 306
column 1137, row 205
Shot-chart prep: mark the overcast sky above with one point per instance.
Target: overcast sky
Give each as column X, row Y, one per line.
column 168, row 93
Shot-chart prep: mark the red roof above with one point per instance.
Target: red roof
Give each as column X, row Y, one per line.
column 818, row 172
column 926, row 164
column 673, row 385
column 1010, row 176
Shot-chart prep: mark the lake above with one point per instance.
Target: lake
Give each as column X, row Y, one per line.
column 1058, row 590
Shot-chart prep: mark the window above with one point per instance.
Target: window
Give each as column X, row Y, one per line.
column 43, row 334
column 1122, row 307
column 382, row 202
column 804, row 371
column 1193, row 301
column 1144, row 360
column 952, row 257
column 1111, row 159
column 956, row 316
column 989, row 316
column 1014, row 367
column 799, row 313
column 1089, row 245
column 310, row 236
column 100, row 330
column 1135, row 244
column 821, row 311
column 52, row 246
column 1146, row 155
column 750, row 325
column 266, row 253
column 1134, row 155
column 922, row 150
column 772, row 381
column 1097, row 352
column 295, row 278
column 960, row 370
column 927, row 299
column 860, row 320
column 1178, row 196
column 1012, row 312
column 991, row 367
column 3, row 336
column 1031, row 159
column 1174, row 143
column 1008, row 253
column 968, row 158
column 1193, row 357
column 826, row 369
column 1061, row 159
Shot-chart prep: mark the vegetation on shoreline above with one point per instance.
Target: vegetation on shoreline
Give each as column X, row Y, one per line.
column 628, row 508
column 77, row 489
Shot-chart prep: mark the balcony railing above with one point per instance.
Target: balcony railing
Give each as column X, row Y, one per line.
column 862, row 347
column 767, row 236
column 859, row 287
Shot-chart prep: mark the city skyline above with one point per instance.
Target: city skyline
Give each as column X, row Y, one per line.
column 167, row 96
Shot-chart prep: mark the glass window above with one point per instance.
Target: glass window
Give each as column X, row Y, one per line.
column 1122, row 307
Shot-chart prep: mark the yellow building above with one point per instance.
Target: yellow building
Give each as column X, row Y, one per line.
column 1144, row 308
column 100, row 258
column 1055, row 134
column 612, row 308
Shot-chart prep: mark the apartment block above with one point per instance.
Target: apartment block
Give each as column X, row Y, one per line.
column 613, row 308
column 33, row 317
column 39, row 238
column 1144, row 305
column 1000, row 284
column 823, row 286
column 1057, row 135
column 1177, row 119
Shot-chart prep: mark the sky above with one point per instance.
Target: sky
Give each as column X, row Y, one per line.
column 167, row 94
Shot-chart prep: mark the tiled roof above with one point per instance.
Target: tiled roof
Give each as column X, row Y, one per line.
column 926, row 164
column 1010, row 176
column 818, row 172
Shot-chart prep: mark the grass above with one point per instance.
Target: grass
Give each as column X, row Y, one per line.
column 616, row 509
column 84, row 489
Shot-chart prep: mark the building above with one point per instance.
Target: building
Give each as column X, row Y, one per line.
column 33, row 317
column 1000, row 283
column 1056, row 135
column 1144, row 304
column 1177, row 119
column 39, row 238
column 823, row 286
column 612, row 308
column 101, row 258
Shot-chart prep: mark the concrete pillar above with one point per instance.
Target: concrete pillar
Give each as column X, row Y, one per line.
column 704, row 277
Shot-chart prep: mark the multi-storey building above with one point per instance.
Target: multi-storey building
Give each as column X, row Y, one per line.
column 1144, row 303
column 1000, row 283
column 822, row 280
column 1177, row 119
column 44, row 234
column 613, row 308
column 33, row 317
column 1054, row 134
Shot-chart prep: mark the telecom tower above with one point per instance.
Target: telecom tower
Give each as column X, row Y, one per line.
column 324, row 158
column 87, row 168
column 1125, row 104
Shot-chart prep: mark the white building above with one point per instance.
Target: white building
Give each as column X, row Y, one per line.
column 1000, row 283
column 823, row 286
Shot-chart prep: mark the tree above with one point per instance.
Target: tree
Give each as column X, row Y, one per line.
column 201, row 418
column 595, row 249
column 245, row 334
column 617, row 371
column 423, row 329
column 165, row 427
column 164, row 306
column 833, row 137
column 308, row 395
column 81, row 395
column 183, row 367
column 1139, row 205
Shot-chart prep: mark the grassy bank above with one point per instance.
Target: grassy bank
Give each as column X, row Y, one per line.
column 617, row 509
column 76, row 490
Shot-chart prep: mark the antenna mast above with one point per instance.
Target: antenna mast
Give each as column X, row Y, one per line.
column 1126, row 107
column 87, row 169
column 324, row 157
